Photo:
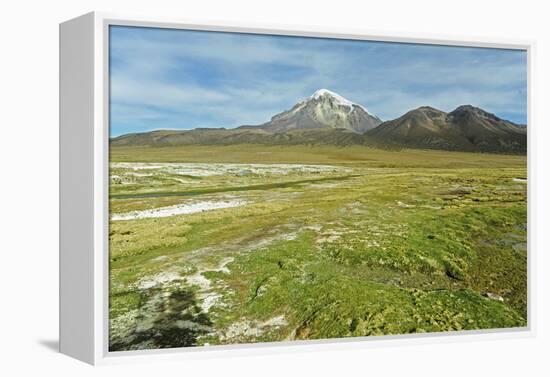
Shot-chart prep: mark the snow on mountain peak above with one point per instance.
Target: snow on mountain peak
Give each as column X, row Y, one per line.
column 336, row 98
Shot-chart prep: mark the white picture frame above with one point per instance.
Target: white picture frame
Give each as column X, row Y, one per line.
column 84, row 140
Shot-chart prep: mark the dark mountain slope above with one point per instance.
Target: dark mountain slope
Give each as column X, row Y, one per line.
column 467, row 128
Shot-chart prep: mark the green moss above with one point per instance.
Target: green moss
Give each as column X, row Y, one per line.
column 388, row 250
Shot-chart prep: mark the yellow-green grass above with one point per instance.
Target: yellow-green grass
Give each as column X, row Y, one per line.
column 408, row 242
column 366, row 156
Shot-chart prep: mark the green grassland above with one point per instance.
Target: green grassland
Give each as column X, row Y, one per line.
column 313, row 154
column 366, row 242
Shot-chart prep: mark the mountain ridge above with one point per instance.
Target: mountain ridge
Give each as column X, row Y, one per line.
column 467, row 128
column 330, row 119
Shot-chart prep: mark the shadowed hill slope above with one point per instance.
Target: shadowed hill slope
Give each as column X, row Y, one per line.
column 467, row 128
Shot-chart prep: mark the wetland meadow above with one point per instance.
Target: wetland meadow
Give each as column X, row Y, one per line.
column 245, row 244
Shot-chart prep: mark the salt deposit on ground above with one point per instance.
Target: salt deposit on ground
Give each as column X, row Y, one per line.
column 178, row 209
column 210, row 169
column 199, row 280
column 248, row 328
column 209, row 300
column 162, row 278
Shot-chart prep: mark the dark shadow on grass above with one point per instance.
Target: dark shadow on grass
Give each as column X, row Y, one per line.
column 178, row 322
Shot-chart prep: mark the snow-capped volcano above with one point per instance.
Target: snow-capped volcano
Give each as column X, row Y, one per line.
column 335, row 97
column 323, row 109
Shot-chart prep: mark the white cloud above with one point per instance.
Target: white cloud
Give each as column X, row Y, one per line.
column 256, row 77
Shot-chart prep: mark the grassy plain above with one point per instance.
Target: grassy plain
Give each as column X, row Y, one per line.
column 342, row 242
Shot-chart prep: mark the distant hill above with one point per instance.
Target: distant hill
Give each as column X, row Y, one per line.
column 467, row 128
column 328, row 118
column 314, row 136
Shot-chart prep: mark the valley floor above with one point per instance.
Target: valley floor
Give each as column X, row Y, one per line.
column 224, row 245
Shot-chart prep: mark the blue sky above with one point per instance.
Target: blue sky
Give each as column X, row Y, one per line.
column 180, row 79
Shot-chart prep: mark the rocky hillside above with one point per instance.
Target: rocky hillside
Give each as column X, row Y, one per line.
column 324, row 109
column 467, row 128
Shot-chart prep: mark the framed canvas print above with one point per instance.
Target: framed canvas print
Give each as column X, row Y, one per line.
column 225, row 187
